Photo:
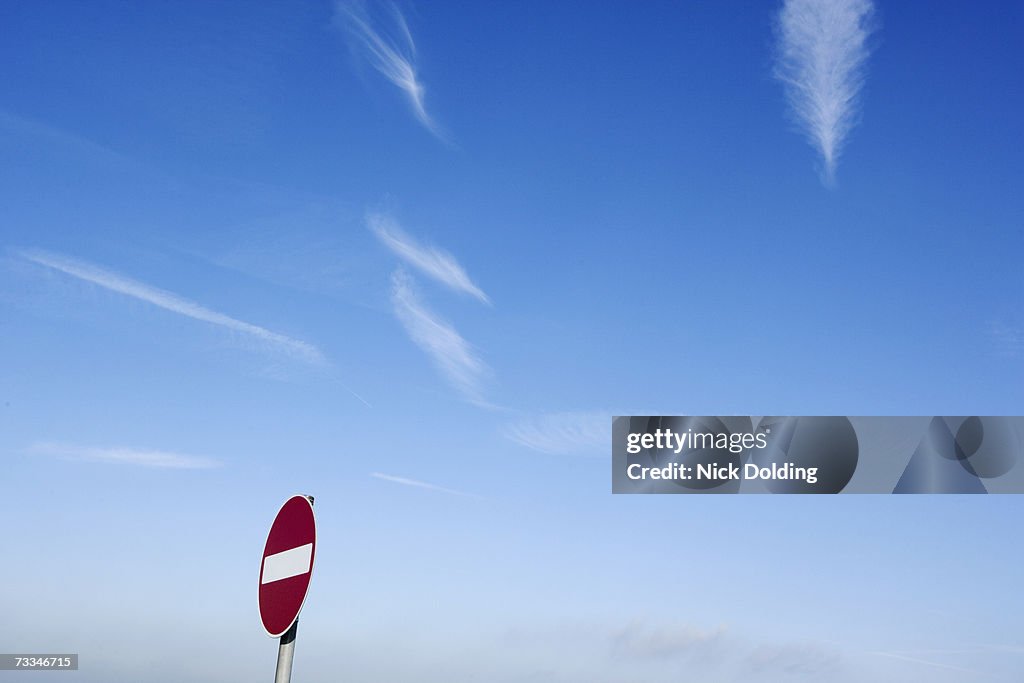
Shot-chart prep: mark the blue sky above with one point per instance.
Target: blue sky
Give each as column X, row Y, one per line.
column 410, row 258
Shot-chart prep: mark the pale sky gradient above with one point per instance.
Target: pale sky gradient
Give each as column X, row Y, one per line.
column 239, row 260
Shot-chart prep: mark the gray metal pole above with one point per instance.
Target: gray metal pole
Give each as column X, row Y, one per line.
column 286, row 650
column 285, row 655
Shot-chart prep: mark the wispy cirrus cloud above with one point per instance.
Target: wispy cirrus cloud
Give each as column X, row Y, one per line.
column 44, row 133
column 564, row 433
column 454, row 356
column 386, row 43
column 415, row 483
column 115, row 282
column 124, row 456
column 431, row 261
column 822, row 53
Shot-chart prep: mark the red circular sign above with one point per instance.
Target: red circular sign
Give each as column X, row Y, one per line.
column 287, row 565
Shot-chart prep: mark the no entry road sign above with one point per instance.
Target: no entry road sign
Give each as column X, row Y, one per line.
column 287, row 565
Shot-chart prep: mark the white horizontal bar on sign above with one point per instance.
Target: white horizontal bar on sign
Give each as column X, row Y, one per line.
column 287, row 564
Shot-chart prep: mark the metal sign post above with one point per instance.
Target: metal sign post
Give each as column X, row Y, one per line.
column 285, row 654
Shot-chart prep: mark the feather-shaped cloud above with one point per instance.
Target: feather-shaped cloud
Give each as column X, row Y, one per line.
column 389, row 49
column 431, row 261
column 453, row 355
column 822, row 53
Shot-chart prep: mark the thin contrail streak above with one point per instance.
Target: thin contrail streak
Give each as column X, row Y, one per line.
column 301, row 350
column 171, row 302
column 405, row 481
